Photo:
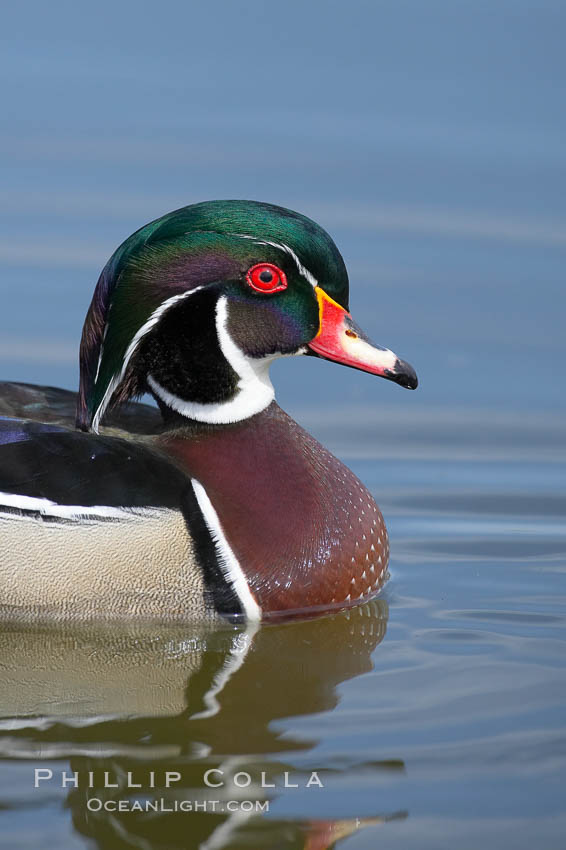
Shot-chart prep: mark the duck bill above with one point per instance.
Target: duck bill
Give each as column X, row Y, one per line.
column 341, row 340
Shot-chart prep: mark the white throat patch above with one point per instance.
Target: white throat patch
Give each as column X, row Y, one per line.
column 254, row 392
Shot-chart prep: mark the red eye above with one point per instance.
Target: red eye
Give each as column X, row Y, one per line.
column 265, row 277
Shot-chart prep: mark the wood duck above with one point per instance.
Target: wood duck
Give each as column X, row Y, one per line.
column 228, row 509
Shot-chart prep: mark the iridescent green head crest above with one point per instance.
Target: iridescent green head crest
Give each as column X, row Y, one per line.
column 206, row 245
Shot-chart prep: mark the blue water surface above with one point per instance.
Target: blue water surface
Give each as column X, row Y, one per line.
column 430, row 140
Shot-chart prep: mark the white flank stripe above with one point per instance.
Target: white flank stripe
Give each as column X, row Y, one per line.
column 227, row 560
column 49, row 508
column 140, row 333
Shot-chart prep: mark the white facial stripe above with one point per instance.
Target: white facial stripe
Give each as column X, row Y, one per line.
column 131, row 349
column 254, row 393
column 255, row 388
column 283, row 247
column 260, row 374
column 48, row 508
column 104, row 332
column 228, row 562
column 304, row 271
column 235, row 410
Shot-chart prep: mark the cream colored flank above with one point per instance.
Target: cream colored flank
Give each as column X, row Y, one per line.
column 143, row 565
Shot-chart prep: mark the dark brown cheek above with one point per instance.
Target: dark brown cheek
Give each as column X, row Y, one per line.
column 263, row 328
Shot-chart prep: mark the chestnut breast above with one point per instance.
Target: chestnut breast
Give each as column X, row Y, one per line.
column 305, row 530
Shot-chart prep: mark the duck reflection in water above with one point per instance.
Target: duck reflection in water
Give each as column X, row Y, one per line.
column 129, row 706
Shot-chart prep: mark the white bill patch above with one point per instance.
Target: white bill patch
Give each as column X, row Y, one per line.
column 367, row 355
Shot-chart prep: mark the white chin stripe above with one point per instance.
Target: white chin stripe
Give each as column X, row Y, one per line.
column 130, row 351
column 227, row 561
column 254, row 392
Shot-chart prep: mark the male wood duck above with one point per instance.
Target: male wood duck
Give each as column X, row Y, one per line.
column 229, row 509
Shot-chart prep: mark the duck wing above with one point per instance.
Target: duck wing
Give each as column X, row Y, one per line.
column 41, row 461
column 58, row 407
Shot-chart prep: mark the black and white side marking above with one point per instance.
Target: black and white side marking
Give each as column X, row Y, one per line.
column 231, row 569
column 28, row 506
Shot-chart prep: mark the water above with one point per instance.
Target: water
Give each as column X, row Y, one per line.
column 429, row 140
column 434, row 716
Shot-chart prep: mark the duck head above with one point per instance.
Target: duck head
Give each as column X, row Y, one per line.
column 195, row 306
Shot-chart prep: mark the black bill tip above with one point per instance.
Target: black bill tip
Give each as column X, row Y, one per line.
column 403, row 374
